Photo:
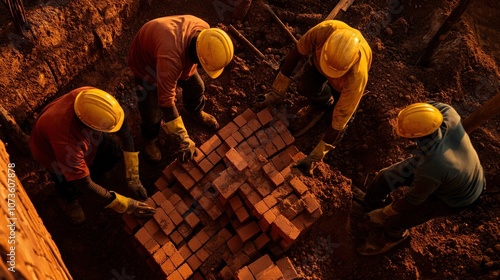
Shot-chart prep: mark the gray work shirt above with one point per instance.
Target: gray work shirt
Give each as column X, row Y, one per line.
column 448, row 165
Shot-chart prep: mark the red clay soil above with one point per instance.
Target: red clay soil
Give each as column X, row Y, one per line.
column 464, row 73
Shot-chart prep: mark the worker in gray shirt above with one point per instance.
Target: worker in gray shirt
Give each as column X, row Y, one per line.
column 444, row 176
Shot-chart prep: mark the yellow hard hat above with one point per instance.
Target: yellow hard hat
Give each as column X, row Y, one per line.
column 418, row 120
column 215, row 50
column 339, row 53
column 99, row 110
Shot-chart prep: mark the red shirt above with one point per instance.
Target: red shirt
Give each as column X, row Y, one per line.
column 159, row 53
column 61, row 142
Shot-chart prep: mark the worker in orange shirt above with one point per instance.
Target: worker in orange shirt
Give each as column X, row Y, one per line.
column 336, row 77
column 164, row 54
column 71, row 140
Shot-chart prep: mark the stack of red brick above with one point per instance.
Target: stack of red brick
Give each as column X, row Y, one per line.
column 239, row 194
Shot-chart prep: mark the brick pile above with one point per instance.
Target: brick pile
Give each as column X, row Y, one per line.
column 238, row 199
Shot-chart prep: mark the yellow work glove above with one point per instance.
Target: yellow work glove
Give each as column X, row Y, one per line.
column 131, row 160
column 379, row 216
column 187, row 146
column 308, row 163
column 122, row 204
column 280, row 86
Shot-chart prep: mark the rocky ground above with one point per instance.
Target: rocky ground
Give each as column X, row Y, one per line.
column 464, row 73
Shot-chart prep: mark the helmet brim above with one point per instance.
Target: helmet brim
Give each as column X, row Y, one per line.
column 329, row 72
column 212, row 74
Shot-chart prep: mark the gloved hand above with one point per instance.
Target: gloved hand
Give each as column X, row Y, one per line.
column 379, row 216
column 131, row 160
column 122, row 204
column 187, row 146
column 308, row 163
column 280, row 86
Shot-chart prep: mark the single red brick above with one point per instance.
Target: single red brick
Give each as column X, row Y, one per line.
column 167, row 206
column 278, row 163
column 260, row 264
column 160, row 257
column 235, row 203
column 245, row 189
column 227, row 130
column 252, row 198
column 202, row 254
column 205, row 165
column 161, row 184
column 270, row 149
column 194, row 262
column 177, row 259
column 188, row 165
column 130, row 221
column 151, row 226
column 181, row 207
column 164, row 221
column 287, row 268
column 214, row 157
column 224, row 234
column 286, row 158
column 205, row 203
column 237, row 137
column 246, row 131
column 196, row 174
column 167, row 172
column 202, row 236
column 176, row 275
column 235, row 223
column 194, row 244
column 222, row 149
column 280, row 126
column 310, row 203
column 248, row 231
column 169, row 249
column 286, row 229
column 264, row 188
column 176, row 237
column 183, row 178
column 198, row 156
column 283, row 191
column 266, row 220
column 151, row 246
column 259, row 209
column 285, row 244
column 158, row 198
column 299, row 156
column 143, row 236
column 161, row 237
column 240, row 121
column 175, row 198
column 271, row 132
column 287, row 173
column 270, row 201
column 272, row 273
column 185, row 251
column 265, row 116
column 196, row 192
column 237, row 261
column 244, row 274
column 175, row 217
column 250, row 250
column 287, row 138
column 185, row 230
column 227, row 193
column 279, row 143
column 185, row 271
column 214, row 213
column 244, row 149
column 248, row 115
column 231, row 142
column 262, row 137
column 192, row 220
column 253, row 142
column 210, row 145
column 235, row 244
column 226, row 273
column 254, row 125
column 297, row 222
column 167, row 192
column 298, row 186
column 168, row 267
column 242, row 214
column 261, row 241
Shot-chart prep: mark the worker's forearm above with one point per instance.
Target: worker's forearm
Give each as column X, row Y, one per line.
column 101, row 195
column 126, row 137
column 291, row 61
column 170, row 113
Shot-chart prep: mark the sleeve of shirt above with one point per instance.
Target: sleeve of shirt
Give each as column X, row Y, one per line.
column 168, row 72
column 126, row 137
column 421, row 188
column 350, row 96
column 314, row 37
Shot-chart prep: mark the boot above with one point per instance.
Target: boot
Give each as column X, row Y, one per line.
column 205, row 119
column 153, row 153
column 305, row 118
column 73, row 211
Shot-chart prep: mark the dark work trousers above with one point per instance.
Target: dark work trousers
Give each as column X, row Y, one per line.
column 150, row 111
column 398, row 175
column 108, row 155
column 315, row 87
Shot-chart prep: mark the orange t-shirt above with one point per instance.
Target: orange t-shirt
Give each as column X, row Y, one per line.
column 159, row 53
column 60, row 142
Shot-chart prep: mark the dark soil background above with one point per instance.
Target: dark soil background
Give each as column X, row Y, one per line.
column 463, row 72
